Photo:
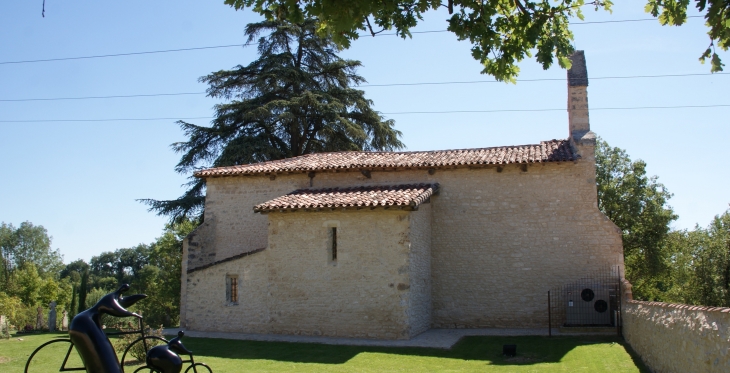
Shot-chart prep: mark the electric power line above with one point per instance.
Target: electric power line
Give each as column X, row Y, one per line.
column 121, row 54
column 101, row 97
column 370, row 85
column 241, row 45
column 564, row 109
column 393, row 113
column 98, row 120
column 542, row 79
column 624, row 20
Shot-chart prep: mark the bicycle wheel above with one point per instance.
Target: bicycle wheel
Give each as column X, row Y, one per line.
column 56, row 355
column 135, row 354
column 197, row 368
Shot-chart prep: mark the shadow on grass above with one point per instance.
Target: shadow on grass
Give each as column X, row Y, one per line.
column 636, row 358
column 530, row 350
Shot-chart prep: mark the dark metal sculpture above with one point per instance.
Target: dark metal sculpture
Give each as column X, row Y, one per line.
column 87, row 334
column 97, row 353
column 165, row 358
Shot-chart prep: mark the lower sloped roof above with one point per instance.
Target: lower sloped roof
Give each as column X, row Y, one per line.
column 406, row 195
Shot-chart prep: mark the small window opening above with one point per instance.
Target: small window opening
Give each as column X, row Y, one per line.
column 232, row 290
column 334, row 244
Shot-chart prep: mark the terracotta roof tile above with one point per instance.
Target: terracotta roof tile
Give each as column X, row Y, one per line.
column 546, row 151
column 409, row 195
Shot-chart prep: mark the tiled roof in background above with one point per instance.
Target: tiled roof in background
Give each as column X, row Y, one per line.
column 546, row 151
column 409, row 195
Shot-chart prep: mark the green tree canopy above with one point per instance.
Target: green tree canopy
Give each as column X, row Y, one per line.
column 295, row 99
column 700, row 264
column 27, row 284
column 27, row 244
column 163, row 275
column 637, row 204
column 110, row 269
column 74, row 270
column 502, row 33
column 153, row 269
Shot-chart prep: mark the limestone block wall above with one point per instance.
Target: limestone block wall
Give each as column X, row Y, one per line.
column 500, row 236
column 678, row 338
column 294, row 286
column 232, row 226
column 205, row 307
column 363, row 293
column 501, row 240
column 419, row 270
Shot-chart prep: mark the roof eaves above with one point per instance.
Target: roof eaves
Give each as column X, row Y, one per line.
column 553, row 151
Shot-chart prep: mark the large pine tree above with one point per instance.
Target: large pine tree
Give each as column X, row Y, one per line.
column 295, row 99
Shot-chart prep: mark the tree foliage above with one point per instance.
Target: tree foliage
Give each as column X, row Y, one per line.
column 502, row 33
column 295, row 99
column 637, row 204
column 119, row 266
column 153, row 269
column 27, row 244
column 700, row 264
column 162, row 275
column 9, row 305
column 83, row 290
column 717, row 19
column 29, row 276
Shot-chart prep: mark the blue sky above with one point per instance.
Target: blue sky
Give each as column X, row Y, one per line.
column 81, row 179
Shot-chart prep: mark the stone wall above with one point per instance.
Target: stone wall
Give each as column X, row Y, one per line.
column 205, row 307
column 501, row 240
column 294, row 286
column 419, row 270
column 501, row 237
column 231, row 227
column 678, row 338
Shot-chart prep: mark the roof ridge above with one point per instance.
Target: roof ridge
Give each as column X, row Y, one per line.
column 417, row 151
column 372, row 196
column 367, row 187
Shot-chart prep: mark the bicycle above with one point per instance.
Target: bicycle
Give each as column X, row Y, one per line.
column 147, row 343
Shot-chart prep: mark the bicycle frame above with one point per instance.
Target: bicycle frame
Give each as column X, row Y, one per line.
column 143, row 337
column 71, row 346
column 140, row 332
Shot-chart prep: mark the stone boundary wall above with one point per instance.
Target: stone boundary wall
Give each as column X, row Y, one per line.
column 677, row 337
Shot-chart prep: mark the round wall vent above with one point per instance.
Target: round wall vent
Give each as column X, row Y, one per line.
column 600, row 306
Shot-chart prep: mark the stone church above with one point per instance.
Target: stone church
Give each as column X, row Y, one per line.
column 389, row 244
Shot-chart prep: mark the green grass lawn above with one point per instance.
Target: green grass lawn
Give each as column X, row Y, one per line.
column 471, row 354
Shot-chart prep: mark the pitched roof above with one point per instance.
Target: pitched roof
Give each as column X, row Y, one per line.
column 546, row 151
column 408, row 195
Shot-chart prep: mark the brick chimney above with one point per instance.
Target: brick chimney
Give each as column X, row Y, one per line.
column 580, row 135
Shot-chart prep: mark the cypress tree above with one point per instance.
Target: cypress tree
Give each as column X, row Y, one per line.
column 73, row 307
column 83, row 291
column 295, row 99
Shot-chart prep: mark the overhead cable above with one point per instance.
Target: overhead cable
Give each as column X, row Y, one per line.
column 241, row 45
column 563, row 109
column 393, row 113
column 368, row 85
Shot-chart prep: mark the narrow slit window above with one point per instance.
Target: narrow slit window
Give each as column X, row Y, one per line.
column 232, row 290
column 334, row 244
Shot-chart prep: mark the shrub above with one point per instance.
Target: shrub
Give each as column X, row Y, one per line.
column 137, row 352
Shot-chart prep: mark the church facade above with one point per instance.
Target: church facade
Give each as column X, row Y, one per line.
column 389, row 244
